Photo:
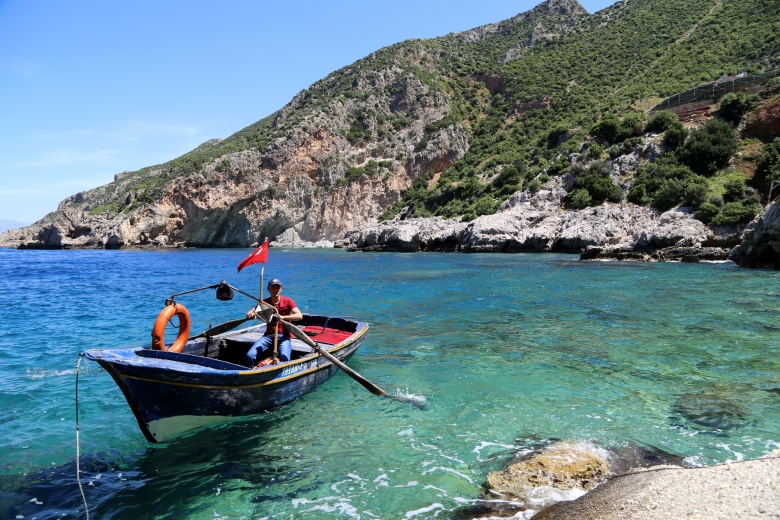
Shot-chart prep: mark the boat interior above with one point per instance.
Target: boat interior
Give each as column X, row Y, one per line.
column 232, row 346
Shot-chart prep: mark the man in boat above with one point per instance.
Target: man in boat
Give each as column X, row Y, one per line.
column 264, row 348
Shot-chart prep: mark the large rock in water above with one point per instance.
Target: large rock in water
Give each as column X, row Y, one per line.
column 760, row 247
column 537, row 223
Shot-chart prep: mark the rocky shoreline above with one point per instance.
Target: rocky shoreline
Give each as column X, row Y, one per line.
column 746, row 489
column 536, row 223
column 527, row 222
column 564, row 479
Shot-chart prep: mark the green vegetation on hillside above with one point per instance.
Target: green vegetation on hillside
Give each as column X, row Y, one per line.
column 550, row 93
column 592, row 77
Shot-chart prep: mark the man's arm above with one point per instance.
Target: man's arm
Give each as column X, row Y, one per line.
column 294, row 315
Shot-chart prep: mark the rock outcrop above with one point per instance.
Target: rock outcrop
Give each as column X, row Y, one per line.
column 538, row 223
column 760, row 247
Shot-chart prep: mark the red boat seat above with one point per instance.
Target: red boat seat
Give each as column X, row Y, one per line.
column 330, row 336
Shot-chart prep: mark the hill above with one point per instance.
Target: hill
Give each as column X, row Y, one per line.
column 451, row 126
column 6, row 224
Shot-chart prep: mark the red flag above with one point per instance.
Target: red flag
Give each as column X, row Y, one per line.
column 259, row 255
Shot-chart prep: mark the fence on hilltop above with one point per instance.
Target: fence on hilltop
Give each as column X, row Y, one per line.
column 717, row 89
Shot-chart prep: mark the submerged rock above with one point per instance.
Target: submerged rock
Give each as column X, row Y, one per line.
column 560, row 471
column 711, row 410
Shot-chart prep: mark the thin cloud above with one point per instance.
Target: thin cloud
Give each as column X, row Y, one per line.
column 22, row 68
column 71, row 156
column 60, row 189
column 129, row 131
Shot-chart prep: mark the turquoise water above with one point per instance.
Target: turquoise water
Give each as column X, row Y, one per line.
column 507, row 349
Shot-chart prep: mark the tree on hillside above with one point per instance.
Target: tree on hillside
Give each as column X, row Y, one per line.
column 768, row 164
column 675, row 135
column 709, row 148
column 607, row 128
column 662, row 120
column 666, row 183
column 632, row 125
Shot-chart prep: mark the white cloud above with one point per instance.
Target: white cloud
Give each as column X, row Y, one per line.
column 127, row 131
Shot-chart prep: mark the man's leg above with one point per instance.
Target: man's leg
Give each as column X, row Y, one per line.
column 285, row 349
column 260, row 345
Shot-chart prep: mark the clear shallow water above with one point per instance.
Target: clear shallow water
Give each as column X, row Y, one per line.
column 507, row 349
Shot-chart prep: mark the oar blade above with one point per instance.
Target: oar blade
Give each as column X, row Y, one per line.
column 221, row 328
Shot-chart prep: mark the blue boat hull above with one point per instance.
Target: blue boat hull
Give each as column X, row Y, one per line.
column 171, row 393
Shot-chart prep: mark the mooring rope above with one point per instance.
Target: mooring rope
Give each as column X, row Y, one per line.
column 78, row 443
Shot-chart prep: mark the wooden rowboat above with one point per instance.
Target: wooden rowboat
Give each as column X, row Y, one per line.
column 173, row 392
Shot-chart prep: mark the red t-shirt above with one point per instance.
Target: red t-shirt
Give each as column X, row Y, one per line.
column 285, row 307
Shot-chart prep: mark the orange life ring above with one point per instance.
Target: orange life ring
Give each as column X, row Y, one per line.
column 158, row 332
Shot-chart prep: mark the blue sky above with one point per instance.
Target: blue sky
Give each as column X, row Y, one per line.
column 89, row 88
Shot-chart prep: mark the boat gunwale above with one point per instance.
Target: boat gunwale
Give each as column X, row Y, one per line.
column 121, row 358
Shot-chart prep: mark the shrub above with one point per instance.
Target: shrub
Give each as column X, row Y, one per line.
column 615, row 151
column 768, row 162
column 469, row 216
column 579, row 199
column 735, row 213
column 709, row 148
column 666, row 183
column 668, row 194
column 661, row 121
column 595, row 150
column 695, row 192
column 707, row 212
column 357, row 133
column 675, row 135
column 559, row 166
column 535, row 185
column 508, row 180
column 607, row 128
column 734, row 190
column 595, row 180
column 485, row 206
column 554, row 137
column 632, row 125
column 629, row 145
column 734, row 105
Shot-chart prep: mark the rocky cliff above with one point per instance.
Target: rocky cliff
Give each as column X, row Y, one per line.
column 297, row 185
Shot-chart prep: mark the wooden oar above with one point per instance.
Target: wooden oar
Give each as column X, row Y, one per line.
column 368, row 385
column 222, row 327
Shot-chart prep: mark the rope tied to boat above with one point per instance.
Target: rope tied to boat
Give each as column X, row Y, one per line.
column 78, row 441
